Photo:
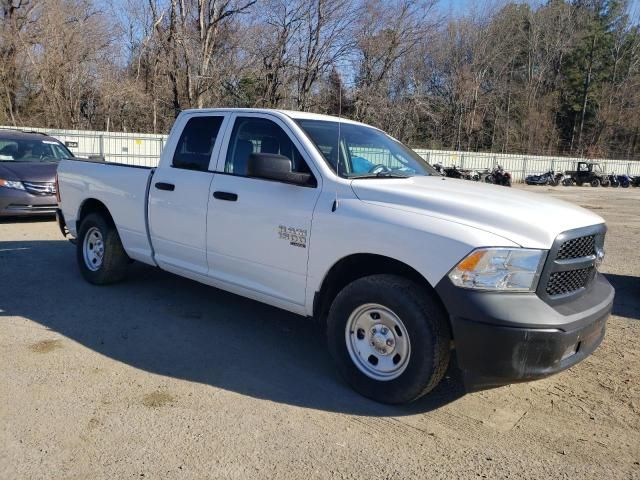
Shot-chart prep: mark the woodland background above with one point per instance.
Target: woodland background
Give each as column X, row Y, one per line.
column 554, row 78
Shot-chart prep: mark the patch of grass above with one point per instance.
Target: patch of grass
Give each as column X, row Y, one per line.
column 157, row 399
column 45, row 346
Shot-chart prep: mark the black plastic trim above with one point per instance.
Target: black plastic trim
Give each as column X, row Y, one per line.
column 506, row 338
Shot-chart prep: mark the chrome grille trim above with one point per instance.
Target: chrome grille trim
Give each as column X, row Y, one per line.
column 40, row 188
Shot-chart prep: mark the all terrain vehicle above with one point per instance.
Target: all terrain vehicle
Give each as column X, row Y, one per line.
column 590, row 173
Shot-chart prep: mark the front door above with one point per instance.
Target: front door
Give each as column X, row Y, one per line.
column 259, row 230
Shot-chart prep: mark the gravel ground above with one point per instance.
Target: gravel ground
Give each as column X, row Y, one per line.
column 160, row 377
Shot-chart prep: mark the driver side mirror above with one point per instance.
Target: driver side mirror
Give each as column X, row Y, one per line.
column 273, row 166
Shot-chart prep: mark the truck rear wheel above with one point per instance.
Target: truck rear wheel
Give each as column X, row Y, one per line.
column 595, row 182
column 99, row 252
column 389, row 338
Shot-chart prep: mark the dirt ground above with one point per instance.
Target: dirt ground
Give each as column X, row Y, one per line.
column 160, row 377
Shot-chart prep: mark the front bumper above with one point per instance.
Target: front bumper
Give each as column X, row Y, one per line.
column 503, row 338
column 18, row 203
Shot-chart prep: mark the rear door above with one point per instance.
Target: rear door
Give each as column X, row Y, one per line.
column 259, row 230
column 179, row 196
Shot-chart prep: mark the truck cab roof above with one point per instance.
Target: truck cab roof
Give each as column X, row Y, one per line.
column 295, row 115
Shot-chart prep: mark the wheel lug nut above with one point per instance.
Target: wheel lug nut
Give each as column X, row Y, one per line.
column 389, row 342
column 384, row 330
column 374, row 331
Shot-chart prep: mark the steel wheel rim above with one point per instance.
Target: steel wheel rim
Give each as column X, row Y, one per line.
column 93, row 249
column 378, row 342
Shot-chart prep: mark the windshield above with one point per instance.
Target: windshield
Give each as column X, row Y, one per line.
column 32, row 150
column 363, row 152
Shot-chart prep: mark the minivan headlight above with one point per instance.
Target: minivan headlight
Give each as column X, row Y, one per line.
column 504, row 269
column 11, row 184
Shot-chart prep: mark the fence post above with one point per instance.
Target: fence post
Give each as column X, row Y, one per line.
column 524, row 168
column 461, row 161
column 101, row 145
column 629, row 169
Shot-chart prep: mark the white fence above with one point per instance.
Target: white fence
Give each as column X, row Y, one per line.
column 128, row 148
column 144, row 149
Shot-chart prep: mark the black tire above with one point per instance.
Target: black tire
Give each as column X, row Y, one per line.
column 595, row 182
column 488, row 179
column 427, row 329
column 114, row 260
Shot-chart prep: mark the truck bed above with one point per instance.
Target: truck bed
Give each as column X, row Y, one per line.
column 123, row 189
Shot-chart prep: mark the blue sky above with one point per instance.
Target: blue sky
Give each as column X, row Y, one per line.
column 457, row 7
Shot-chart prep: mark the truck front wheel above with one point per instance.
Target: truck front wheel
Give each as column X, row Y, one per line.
column 99, row 251
column 389, row 337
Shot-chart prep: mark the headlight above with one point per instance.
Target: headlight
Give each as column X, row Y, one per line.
column 506, row 269
column 11, row 184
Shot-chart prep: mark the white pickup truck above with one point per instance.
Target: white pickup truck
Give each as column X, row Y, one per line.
column 336, row 220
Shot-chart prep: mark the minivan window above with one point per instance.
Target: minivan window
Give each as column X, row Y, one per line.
column 32, row 150
column 194, row 148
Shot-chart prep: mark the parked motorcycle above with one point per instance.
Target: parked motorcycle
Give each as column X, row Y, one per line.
column 548, row 178
column 623, row 181
column 454, row 172
column 439, row 168
column 499, row 176
column 483, row 174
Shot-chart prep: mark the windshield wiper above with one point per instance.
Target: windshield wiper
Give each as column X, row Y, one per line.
column 380, row 175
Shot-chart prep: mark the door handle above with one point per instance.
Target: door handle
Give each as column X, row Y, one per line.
column 170, row 187
column 230, row 197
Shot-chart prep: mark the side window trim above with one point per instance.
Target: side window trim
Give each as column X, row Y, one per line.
column 220, row 165
column 222, row 132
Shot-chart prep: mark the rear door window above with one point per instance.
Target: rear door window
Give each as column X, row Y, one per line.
column 196, row 143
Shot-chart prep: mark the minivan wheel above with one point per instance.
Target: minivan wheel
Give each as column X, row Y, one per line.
column 99, row 252
column 389, row 338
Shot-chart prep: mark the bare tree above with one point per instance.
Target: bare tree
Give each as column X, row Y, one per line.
column 323, row 41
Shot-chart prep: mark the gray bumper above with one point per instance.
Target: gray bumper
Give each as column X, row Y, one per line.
column 18, row 203
column 506, row 338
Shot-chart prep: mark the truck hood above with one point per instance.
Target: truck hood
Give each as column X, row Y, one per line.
column 28, row 171
column 531, row 220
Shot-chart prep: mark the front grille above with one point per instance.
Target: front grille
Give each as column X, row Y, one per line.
column 571, row 264
column 569, row 281
column 40, row 188
column 577, row 248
